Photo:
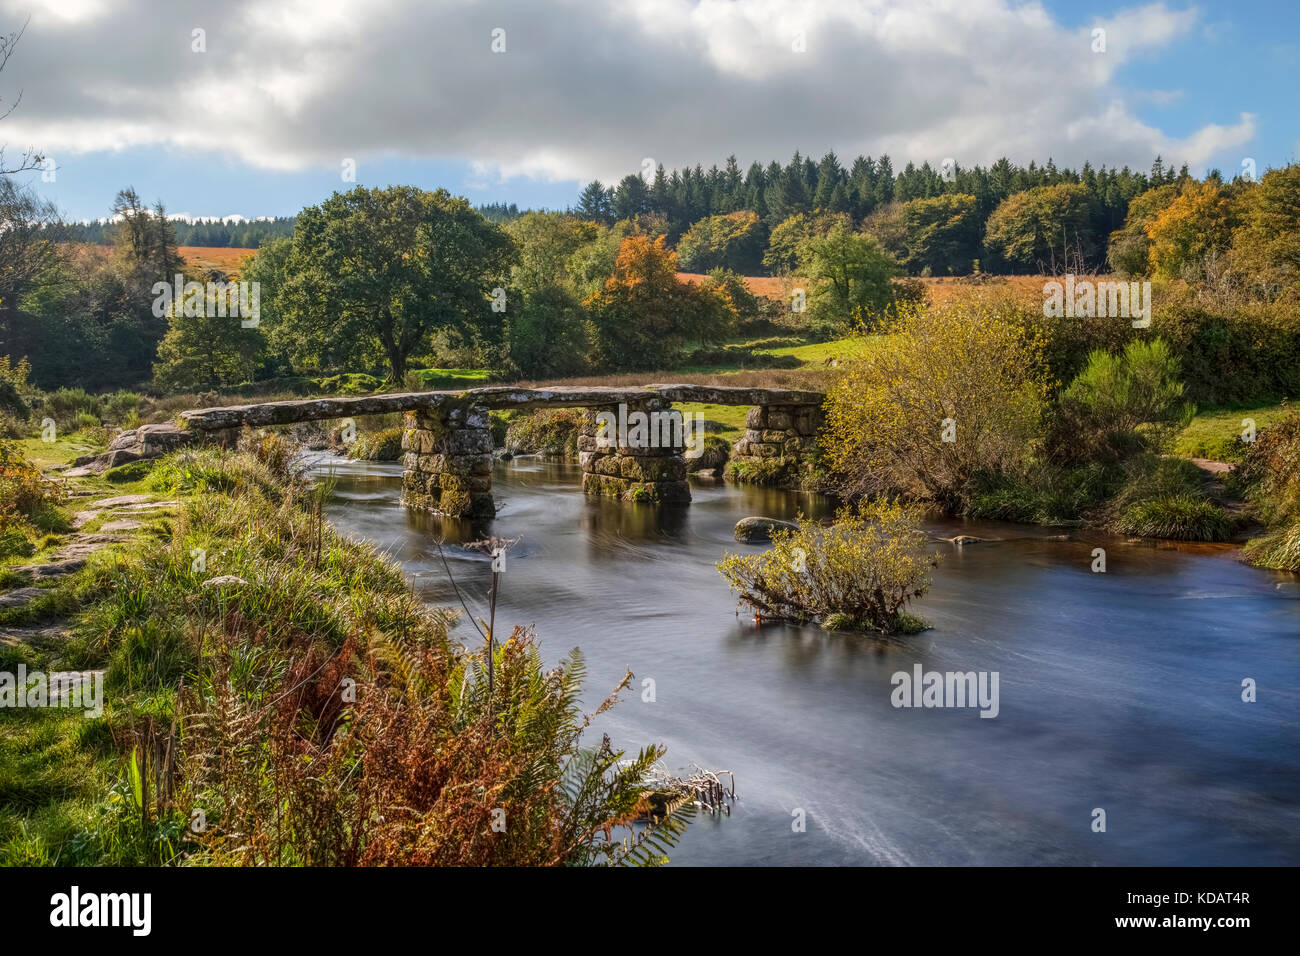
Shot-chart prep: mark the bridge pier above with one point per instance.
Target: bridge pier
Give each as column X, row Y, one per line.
column 649, row 468
column 778, row 438
column 448, row 459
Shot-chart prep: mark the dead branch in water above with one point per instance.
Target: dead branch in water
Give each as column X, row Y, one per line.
column 702, row 787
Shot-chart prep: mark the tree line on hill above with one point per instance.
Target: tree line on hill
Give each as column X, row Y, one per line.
column 870, row 191
column 248, row 234
column 389, row 280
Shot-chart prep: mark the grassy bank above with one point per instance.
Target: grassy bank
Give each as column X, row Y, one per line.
column 276, row 694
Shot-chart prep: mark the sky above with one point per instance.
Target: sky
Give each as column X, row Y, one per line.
column 262, row 107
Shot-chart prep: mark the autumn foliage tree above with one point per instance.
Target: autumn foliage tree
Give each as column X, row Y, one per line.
column 644, row 315
column 1198, row 223
column 733, row 241
column 1130, row 246
column 1266, row 244
column 1047, row 227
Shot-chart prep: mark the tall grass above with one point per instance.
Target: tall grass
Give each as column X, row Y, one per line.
column 287, row 683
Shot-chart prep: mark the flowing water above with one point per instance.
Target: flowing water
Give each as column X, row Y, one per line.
column 1120, row 691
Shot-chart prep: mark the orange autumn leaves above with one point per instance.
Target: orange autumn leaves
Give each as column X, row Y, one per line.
column 644, row 314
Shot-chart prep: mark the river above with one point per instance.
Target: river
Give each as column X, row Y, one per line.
column 1119, row 691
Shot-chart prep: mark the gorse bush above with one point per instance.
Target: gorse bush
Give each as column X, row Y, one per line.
column 861, row 571
column 1121, row 404
column 969, row 374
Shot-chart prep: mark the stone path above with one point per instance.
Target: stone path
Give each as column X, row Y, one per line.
column 68, row 559
column 135, row 504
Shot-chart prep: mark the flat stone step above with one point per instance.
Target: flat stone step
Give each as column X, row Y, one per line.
column 122, row 524
column 20, row 597
column 84, row 545
column 136, row 504
column 36, row 636
column 123, row 500
column 52, row 569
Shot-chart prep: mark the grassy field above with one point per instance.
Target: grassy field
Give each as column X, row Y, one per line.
column 826, row 352
column 220, row 258
column 1215, row 433
column 440, row 378
column 942, row 290
column 731, row 416
column 46, row 455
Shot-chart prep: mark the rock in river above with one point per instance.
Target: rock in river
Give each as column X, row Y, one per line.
column 754, row 530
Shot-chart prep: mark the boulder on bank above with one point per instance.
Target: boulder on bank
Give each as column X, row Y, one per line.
column 755, row 530
column 147, row 441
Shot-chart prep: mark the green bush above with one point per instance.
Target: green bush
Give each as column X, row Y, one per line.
column 121, row 405
column 1121, row 404
column 66, row 404
column 1251, row 352
column 385, row 445
column 547, row 431
column 350, row 383
column 859, row 572
column 83, row 421
column 716, row 452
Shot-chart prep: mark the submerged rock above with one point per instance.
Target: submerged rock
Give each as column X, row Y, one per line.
column 756, row 529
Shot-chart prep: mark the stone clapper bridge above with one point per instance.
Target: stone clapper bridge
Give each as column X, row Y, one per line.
column 448, row 443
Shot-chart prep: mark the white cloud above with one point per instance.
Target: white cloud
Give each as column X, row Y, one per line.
column 588, row 89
